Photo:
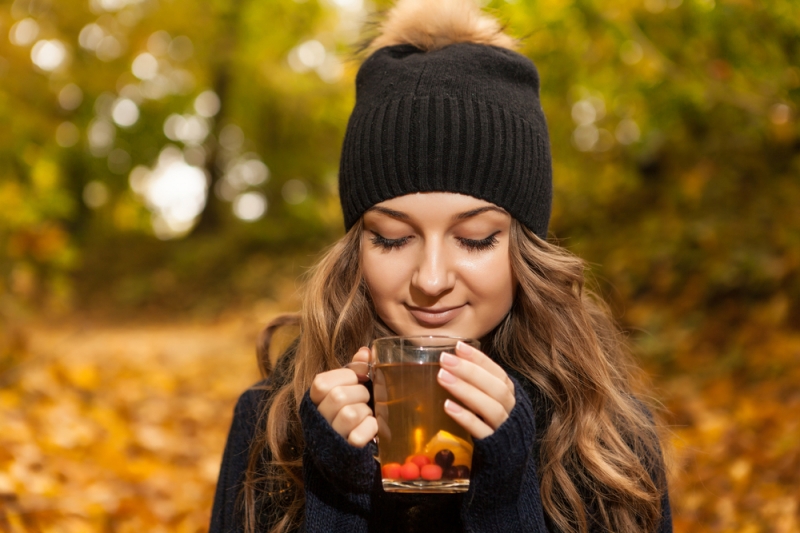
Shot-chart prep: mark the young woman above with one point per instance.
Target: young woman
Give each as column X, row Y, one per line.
column 445, row 184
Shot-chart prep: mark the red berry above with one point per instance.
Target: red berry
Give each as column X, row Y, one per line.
column 431, row 472
column 391, row 471
column 419, row 460
column 409, row 471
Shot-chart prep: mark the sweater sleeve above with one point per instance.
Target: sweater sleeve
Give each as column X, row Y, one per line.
column 339, row 478
column 226, row 515
column 504, row 489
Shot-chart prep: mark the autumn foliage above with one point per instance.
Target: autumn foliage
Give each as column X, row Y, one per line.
column 130, row 302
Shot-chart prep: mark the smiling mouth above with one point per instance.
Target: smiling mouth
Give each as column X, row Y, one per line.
column 433, row 317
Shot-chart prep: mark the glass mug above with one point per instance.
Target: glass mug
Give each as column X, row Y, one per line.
column 420, row 448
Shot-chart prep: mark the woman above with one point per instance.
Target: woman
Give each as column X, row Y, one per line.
column 445, row 184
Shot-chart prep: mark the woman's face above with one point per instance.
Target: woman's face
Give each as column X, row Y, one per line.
column 438, row 264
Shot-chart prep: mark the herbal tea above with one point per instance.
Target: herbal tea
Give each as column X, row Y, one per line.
column 420, row 448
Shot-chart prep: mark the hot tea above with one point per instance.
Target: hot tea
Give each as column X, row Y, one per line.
column 420, row 448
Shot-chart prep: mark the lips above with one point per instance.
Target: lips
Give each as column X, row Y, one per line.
column 434, row 317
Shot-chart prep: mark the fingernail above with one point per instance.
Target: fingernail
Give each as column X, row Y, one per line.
column 452, row 406
column 448, row 359
column 446, row 376
column 463, row 347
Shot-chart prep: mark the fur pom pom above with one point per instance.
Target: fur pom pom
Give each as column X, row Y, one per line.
column 433, row 24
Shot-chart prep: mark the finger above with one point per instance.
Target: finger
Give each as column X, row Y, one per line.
column 364, row 432
column 325, row 382
column 341, row 396
column 467, row 420
column 362, row 355
column 479, row 378
column 465, row 351
column 360, row 364
column 349, row 417
column 474, row 399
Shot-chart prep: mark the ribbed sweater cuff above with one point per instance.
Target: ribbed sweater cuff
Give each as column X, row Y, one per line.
column 347, row 468
column 501, row 460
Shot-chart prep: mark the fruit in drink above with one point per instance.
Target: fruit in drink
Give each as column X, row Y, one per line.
column 409, row 471
column 444, row 458
column 431, row 472
column 460, row 449
column 391, row 471
column 419, row 460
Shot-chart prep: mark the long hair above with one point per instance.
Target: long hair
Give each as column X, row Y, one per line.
column 598, row 446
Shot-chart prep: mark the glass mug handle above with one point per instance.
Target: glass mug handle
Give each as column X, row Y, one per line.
column 364, row 373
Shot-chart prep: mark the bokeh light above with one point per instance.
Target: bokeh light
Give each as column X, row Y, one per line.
column 125, row 112
column 24, row 32
column 101, row 135
column 70, row 96
column 95, row 194
column 250, row 206
column 145, row 66
column 207, row 104
column 49, row 55
column 174, row 191
column 188, row 129
column 180, row 48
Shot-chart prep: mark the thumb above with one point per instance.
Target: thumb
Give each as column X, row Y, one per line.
column 360, row 364
column 362, row 355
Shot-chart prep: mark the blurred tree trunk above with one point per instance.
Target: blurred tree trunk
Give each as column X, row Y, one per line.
column 222, row 66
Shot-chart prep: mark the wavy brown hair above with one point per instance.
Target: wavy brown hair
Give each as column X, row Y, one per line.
column 599, row 455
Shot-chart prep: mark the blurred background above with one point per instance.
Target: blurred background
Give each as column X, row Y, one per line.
column 168, row 172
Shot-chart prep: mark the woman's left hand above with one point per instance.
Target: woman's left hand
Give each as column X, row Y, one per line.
column 480, row 385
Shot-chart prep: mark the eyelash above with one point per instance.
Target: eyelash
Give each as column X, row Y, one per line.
column 472, row 245
column 388, row 244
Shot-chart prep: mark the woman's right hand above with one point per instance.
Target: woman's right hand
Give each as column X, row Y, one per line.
column 342, row 401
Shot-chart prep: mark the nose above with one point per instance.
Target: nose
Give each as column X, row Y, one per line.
column 434, row 274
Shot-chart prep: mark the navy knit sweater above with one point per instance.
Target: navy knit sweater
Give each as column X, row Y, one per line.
column 343, row 489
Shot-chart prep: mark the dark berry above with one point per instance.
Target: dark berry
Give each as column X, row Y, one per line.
column 463, row 471
column 451, row 472
column 444, row 458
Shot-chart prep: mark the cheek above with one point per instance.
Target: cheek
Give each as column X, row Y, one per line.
column 383, row 276
column 492, row 282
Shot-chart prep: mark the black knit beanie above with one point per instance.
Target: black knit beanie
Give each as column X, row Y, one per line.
column 465, row 118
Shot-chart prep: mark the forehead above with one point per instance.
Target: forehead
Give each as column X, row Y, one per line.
column 435, row 207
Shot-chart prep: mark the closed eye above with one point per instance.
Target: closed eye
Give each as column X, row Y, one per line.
column 388, row 244
column 478, row 245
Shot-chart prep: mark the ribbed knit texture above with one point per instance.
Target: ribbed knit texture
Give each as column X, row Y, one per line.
column 464, row 119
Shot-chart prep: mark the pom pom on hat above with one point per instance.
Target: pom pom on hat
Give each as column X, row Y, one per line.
column 434, row 24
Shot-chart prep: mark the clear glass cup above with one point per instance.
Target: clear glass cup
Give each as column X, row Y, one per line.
column 420, row 448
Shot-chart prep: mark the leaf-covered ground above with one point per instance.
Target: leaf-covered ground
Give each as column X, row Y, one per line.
column 121, row 429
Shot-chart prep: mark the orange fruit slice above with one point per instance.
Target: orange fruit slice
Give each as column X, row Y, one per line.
column 444, row 440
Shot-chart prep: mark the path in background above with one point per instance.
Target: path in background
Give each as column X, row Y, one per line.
column 121, row 429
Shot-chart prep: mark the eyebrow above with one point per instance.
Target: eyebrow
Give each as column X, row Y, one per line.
column 390, row 212
column 478, row 211
column 461, row 216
